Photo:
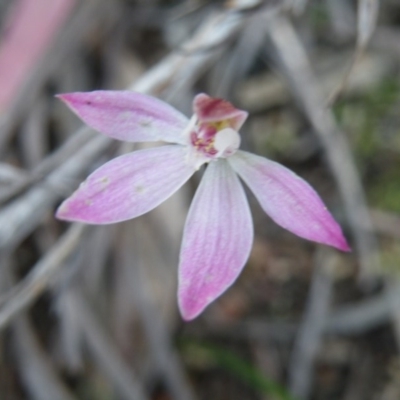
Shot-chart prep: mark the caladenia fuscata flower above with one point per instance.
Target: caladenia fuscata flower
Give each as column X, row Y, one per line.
column 218, row 233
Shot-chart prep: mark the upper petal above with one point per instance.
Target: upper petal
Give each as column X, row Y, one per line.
column 127, row 115
column 209, row 109
column 217, row 239
column 289, row 200
column 128, row 186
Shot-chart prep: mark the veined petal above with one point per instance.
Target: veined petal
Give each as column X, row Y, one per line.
column 127, row 115
column 289, row 200
column 217, row 239
column 210, row 109
column 128, row 186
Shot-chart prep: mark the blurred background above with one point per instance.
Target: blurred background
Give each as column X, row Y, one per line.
column 90, row 312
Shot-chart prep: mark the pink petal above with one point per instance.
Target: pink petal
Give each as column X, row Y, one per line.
column 128, row 186
column 288, row 200
column 128, row 116
column 31, row 27
column 209, row 109
column 217, row 239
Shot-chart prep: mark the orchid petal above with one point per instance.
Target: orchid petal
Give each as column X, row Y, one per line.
column 217, row 239
column 288, row 200
column 210, row 109
column 128, row 186
column 128, row 116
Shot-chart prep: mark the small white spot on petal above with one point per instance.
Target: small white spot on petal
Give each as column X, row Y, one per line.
column 140, row 189
column 123, row 116
column 145, row 124
column 105, row 181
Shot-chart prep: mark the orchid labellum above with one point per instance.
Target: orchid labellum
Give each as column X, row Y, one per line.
column 218, row 234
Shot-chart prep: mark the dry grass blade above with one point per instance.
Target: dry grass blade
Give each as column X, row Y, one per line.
column 69, row 332
column 298, row 6
column 22, row 295
column 49, row 164
column 88, row 267
column 103, row 350
column 33, row 134
column 37, row 371
column 22, row 216
column 309, row 336
column 35, row 367
column 393, row 296
column 342, row 19
column 242, row 57
column 182, row 67
column 243, row 4
column 359, row 318
column 366, row 21
column 9, row 174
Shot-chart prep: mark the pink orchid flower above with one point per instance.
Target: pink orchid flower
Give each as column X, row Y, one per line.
column 218, row 234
